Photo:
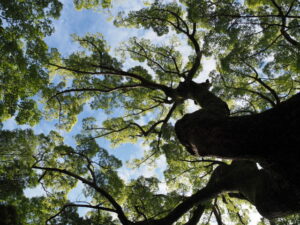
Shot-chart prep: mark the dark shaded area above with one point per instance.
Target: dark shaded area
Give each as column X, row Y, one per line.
column 270, row 138
column 8, row 215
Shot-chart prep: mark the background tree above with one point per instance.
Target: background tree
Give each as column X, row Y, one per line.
column 23, row 27
column 254, row 74
column 23, row 52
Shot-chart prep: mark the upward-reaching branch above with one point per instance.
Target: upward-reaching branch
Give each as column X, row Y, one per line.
column 181, row 26
column 79, row 206
column 118, row 208
column 101, row 90
column 261, row 82
column 105, row 70
column 192, row 38
column 197, row 60
column 145, row 52
column 197, row 213
column 269, row 100
column 153, row 126
column 284, row 23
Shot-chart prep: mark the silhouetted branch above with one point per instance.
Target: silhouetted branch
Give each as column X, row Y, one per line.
column 79, row 205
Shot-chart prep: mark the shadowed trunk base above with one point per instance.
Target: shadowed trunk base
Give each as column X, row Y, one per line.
column 271, row 138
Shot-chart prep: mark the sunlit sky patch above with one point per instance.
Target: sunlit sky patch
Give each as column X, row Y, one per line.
column 81, row 22
column 88, row 21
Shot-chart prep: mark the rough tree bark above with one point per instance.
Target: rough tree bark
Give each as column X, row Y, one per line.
column 271, row 138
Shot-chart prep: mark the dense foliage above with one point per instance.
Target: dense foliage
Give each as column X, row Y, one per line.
column 256, row 46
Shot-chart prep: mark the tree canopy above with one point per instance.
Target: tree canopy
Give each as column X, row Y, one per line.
column 234, row 153
column 23, row 27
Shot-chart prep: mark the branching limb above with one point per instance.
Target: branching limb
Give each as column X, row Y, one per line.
column 209, row 218
column 199, row 197
column 204, row 160
column 164, row 121
column 140, row 212
column 104, row 90
column 238, row 214
column 145, row 133
column 256, row 93
column 217, row 214
column 116, row 72
column 145, row 54
column 89, row 165
column 111, row 200
column 79, row 205
column 251, row 16
column 243, row 111
column 250, row 91
column 284, row 23
column 180, row 174
column 261, row 82
column 197, row 213
column 111, row 131
column 197, row 60
column 186, row 31
column 153, row 126
column 267, row 47
column 141, row 110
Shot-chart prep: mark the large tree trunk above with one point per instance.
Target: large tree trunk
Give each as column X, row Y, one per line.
column 271, row 138
column 272, row 195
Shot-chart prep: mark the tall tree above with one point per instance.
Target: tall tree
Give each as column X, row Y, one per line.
column 23, row 26
column 250, row 116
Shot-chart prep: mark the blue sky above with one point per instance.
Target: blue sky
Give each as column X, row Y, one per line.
column 87, row 21
column 81, row 22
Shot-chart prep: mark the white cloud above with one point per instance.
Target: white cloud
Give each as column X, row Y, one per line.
column 128, row 174
column 163, row 189
column 34, row 192
column 11, row 124
column 208, row 64
column 127, row 5
column 191, row 106
column 145, row 170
